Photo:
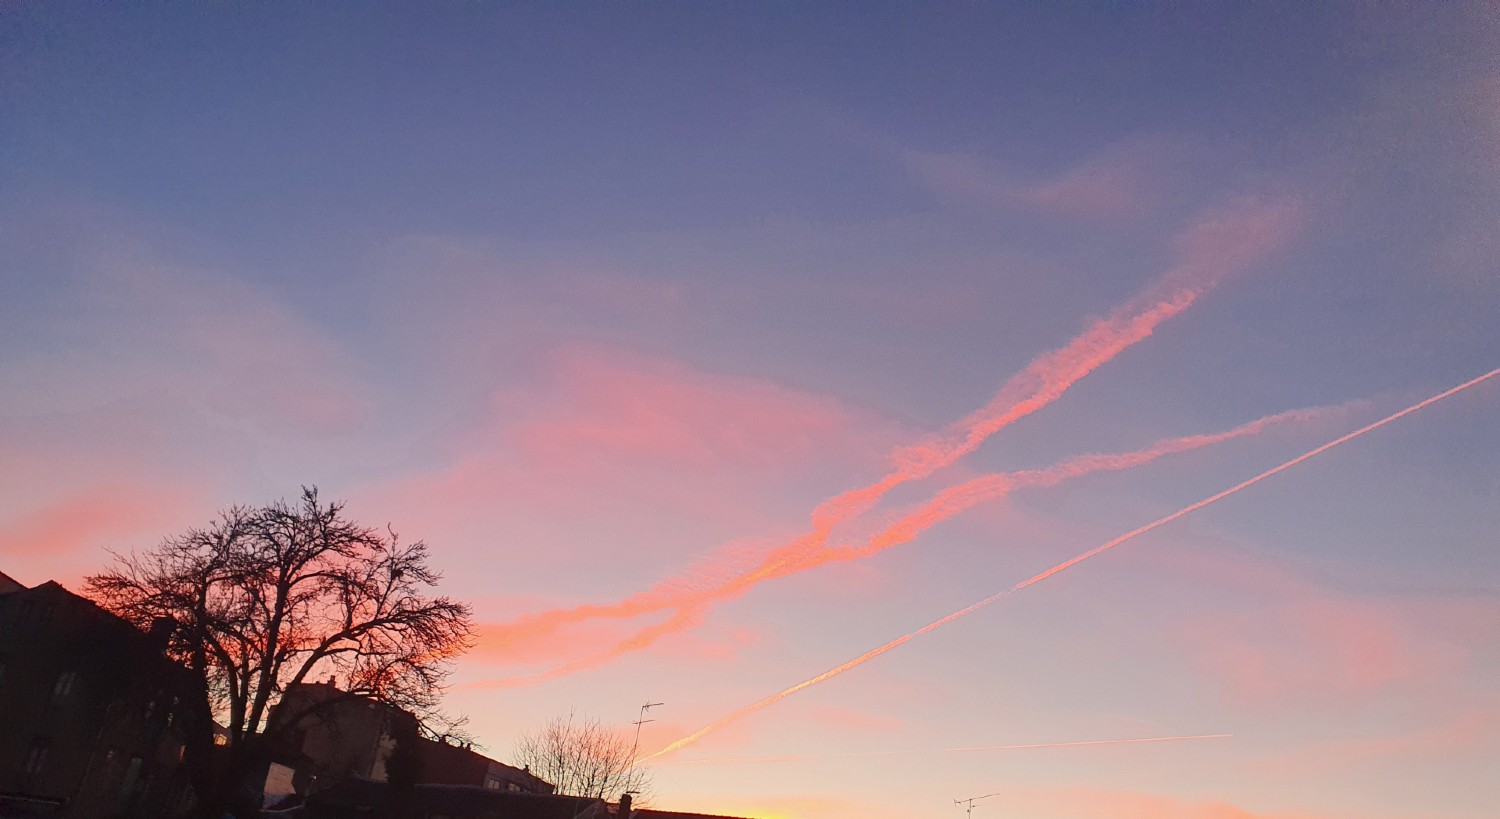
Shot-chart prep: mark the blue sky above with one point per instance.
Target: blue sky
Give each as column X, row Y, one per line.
column 596, row 296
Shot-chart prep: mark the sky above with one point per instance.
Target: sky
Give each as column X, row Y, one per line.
column 711, row 346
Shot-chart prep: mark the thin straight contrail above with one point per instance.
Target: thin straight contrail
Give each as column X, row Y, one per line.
column 1021, row 747
column 1067, row 564
column 947, row 503
column 1216, row 246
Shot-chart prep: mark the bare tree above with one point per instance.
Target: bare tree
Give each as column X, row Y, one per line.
column 582, row 758
column 266, row 598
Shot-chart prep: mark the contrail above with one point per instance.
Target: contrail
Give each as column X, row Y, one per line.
column 944, row 505
column 1023, row 747
column 1067, row 564
column 962, row 496
column 1216, row 246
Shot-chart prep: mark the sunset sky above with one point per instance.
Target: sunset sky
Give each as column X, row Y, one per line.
column 778, row 331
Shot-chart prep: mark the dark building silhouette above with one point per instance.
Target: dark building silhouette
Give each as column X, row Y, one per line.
column 440, row 763
column 92, row 715
column 326, row 736
column 94, row 720
column 363, row 799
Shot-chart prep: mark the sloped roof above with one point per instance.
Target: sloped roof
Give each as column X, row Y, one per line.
column 648, row 813
column 9, row 584
column 453, row 800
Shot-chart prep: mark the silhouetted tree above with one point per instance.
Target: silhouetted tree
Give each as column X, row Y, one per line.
column 266, row 598
column 582, row 758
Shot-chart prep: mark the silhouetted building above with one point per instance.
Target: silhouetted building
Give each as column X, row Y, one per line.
column 374, row 800
column 92, row 715
column 439, row 763
column 365, row 799
column 648, row 813
column 329, row 736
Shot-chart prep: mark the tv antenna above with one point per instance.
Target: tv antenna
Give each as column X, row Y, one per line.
column 968, row 804
column 635, row 746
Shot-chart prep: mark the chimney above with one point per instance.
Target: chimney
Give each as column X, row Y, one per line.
column 625, row 805
column 160, row 632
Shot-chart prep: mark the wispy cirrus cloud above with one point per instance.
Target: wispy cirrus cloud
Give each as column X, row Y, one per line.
column 1467, row 735
column 1088, row 802
column 150, row 392
column 606, row 461
column 1120, row 183
column 101, row 515
column 1334, row 652
column 240, row 354
column 1221, row 242
column 1290, row 643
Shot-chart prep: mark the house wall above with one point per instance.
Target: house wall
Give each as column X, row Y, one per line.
column 91, row 713
column 335, row 734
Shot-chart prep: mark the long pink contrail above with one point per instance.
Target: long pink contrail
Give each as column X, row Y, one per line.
column 1067, row 564
column 985, row 488
column 951, row 501
column 1018, row 747
column 1215, row 247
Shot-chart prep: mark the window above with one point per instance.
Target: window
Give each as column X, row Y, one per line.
column 128, row 786
column 64, row 685
column 492, row 784
column 36, row 758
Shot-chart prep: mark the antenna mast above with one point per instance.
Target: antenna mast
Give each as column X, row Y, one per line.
column 968, row 804
column 635, row 746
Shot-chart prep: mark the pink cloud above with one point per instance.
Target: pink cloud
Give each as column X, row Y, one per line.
column 598, row 420
column 1122, row 182
column 1311, row 648
column 720, row 645
column 104, row 515
column 848, row 721
column 1288, row 641
column 150, row 390
column 725, row 575
column 1469, row 733
column 808, row 807
column 1101, row 803
column 1095, row 191
column 189, row 338
column 138, row 332
column 710, row 644
column 257, row 359
column 624, row 460
column 1237, row 233
column 607, row 405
